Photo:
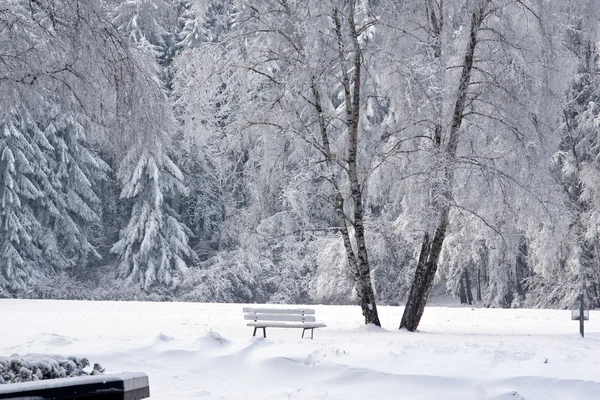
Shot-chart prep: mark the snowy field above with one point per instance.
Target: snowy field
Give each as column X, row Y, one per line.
column 205, row 351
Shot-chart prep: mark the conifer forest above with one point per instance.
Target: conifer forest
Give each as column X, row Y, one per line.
column 301, row 151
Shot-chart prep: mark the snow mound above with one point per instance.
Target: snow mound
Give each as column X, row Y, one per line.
column 203, row 394
column 211, row 341
column 372, row 328
column 321, row 354
column 164, row 338
column 53, row 339
column 216, row 338
column 460, row 354
column 507, row 396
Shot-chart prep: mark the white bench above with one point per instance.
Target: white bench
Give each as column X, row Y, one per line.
column 263, row 318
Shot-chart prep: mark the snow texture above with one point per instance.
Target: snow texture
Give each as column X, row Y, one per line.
column 205, row 351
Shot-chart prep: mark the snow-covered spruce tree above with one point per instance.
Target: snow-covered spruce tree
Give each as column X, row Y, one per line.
column 206, row 21
column 189, row 25
column 153, row 24
column 153, row 246
column 56, row 76
column 20, row 229
column 52, row 208
column 152, row 20
column 77, row 171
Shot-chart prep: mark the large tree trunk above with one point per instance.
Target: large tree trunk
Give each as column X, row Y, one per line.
column 424, row 275
column 431, row 250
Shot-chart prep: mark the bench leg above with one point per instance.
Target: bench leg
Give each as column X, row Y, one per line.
column 264, row 332
column 312, row 331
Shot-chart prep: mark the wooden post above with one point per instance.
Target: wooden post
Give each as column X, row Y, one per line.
column 581, row 315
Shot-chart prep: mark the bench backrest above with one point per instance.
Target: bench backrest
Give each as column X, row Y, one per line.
column 279, row 314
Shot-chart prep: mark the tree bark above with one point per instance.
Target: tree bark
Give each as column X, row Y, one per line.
column 468, row 287
column 364, row 289
column 478, row 283
column 338, row 201
column 462, row 294
column 430, row 251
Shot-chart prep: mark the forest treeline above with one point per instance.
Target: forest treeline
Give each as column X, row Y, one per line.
column 301, row 151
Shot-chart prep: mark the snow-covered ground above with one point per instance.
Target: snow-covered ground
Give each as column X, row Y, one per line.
column 205, row 351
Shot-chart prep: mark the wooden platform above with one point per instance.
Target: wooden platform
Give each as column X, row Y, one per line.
column 125, row 386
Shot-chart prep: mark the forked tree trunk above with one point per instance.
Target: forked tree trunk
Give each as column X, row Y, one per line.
column 424, row 275
column 363, row 283
column 362, row 270
column 431, row 248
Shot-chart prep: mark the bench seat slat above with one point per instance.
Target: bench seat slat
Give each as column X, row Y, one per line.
column 279, row 317
column 308, row 325
column 305, row 311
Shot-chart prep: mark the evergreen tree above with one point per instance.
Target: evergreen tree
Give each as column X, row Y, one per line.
column 62, row 84
column 78, row 171
column 21, row 251
column 189, row 25
column 151, row 21
column 218, row 21
column 153, row 247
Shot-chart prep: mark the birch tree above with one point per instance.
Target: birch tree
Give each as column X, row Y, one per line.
column 358, row 260
column 290, row 96
column 464, row 147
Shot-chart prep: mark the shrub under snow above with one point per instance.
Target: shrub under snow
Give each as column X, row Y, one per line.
column 34, row 367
